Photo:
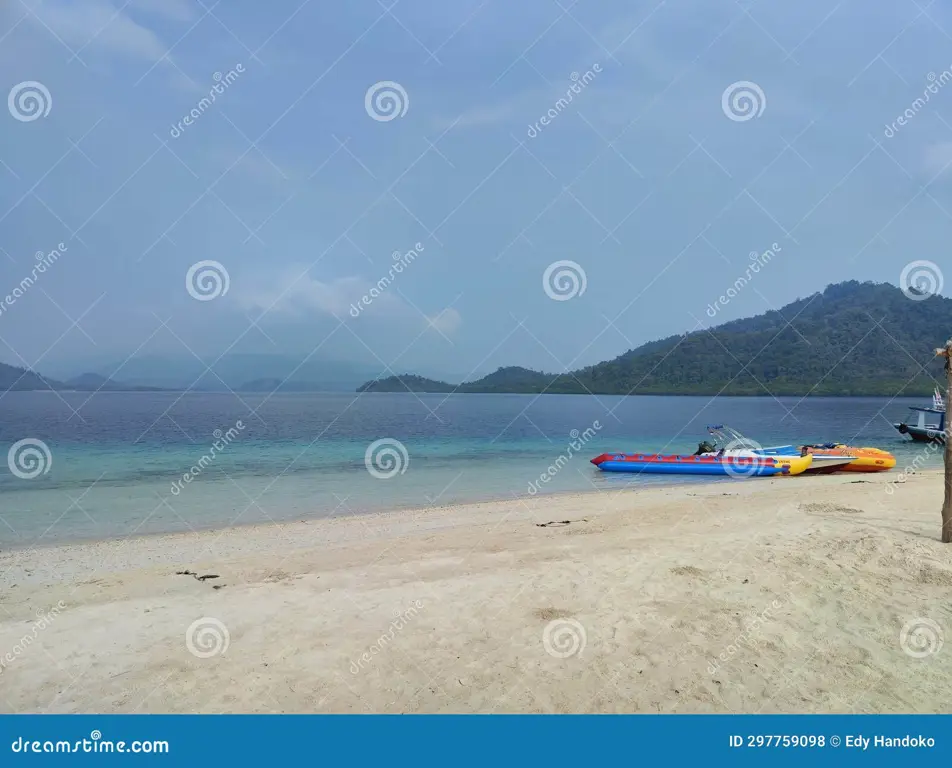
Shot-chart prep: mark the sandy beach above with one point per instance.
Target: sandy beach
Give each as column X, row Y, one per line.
column 823, row 594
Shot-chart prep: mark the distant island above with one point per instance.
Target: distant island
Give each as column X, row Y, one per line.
column 234, row 372
column 853, row 339
column 14, row 379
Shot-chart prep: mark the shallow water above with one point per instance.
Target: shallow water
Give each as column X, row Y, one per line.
column 115, row 462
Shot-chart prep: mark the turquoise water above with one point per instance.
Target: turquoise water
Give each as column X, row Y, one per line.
column 118, row 461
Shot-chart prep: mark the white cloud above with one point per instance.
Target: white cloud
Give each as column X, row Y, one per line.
column 99, row 24
column 174, row 10
column 293, row 292
column 446, row 322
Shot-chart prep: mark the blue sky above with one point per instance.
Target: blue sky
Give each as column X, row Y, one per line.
column 287, row 181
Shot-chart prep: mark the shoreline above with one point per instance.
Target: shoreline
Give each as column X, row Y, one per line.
column 363, row 513
column 795, row 591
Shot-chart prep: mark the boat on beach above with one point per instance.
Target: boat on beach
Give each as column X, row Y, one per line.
column 846, row 458
column 929, row 426
column 735, row 464
column 742, row 457
column 827, row 457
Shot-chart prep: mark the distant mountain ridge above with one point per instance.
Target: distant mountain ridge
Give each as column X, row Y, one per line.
column 93, row 382
column 14, row 379
column 244, row 372
column 234, row 372
column 853, row 339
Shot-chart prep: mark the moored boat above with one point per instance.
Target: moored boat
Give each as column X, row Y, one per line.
column 926, row 429
column 724, row 464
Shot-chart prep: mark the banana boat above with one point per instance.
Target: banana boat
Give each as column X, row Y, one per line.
column 731, row 463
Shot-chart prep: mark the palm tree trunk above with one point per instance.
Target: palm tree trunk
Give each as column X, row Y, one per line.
column 947, row 503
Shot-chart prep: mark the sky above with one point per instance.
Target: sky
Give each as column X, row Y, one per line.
column 547, row 232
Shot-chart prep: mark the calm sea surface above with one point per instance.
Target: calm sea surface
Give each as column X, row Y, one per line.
column 117, row 465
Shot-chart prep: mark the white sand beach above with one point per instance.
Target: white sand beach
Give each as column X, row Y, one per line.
column 822, row 594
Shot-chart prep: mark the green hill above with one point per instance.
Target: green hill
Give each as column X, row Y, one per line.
column 851, row 339
column 406, row 383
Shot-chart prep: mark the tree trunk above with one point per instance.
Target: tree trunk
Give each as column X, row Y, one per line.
column 947, row 503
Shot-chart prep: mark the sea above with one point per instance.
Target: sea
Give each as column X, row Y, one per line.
column 81, row 466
